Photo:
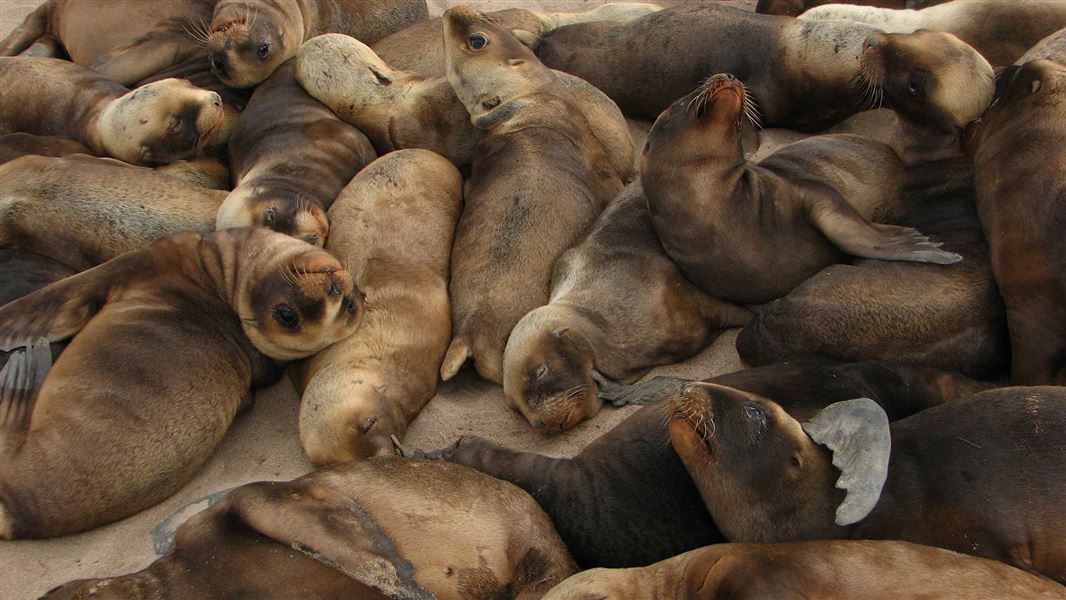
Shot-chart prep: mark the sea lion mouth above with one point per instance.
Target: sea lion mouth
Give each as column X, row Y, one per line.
column 561, row 411
column 872, row 73
column 689, row 408
column 715, row 85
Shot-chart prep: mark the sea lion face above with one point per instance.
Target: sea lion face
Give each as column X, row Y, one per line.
column 245, row 49
column 161, row 122
column 282, row 211
column 342, row 72
column 547, row 379
column 701, row 125
column 1034, row 93
column 931, row 78
column 787, row 8
column 360, row 424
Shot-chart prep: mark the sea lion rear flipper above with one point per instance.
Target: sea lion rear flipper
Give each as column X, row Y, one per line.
column 163, row 47
column 20, row 380
column 644, row 392
column 29, row 31
column 458, row 352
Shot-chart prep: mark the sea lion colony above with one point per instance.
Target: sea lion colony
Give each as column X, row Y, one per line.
column 400, row 197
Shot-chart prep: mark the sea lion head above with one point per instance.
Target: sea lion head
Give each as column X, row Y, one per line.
column 764, row 476
column 547, row 368
column 346, row 75
column 1032, row 95
column 493, row 73
column 787, row 8
column 605, row 584
column 930, row 78
column 282, row 210
column 246, row 45
column 293, row 299
column 342, row 420
column 161, row 122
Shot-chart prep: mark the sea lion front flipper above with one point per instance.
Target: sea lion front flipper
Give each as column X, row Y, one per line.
column 165, row 46
column 20, row 380
column 27, row 32
column 644, row 392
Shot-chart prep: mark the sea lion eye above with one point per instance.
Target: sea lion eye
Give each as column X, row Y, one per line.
column 286, row 316
column 477, row 41
column 311, row 238
column 914, row 86
column 264, row 49
column 351, row 306
column 542, row 371
column 271, row 214
column 756, row 413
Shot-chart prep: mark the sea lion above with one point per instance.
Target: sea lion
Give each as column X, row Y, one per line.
column 626, row 499
column 829, row 570
column 167, row 343
column 1000, row 31
column 14, row 145
column 914, row 480
column 155, row 124
column 619, row 306
column 539, row 179
column 393, row 227
column 248, row 39
column 1019, row 150
column 23, row 272
column 357, row 530
column 816, row 197
column 290, row 157
column 397, row 109
column 419, row 48
column 793, row 8
column 83, row 211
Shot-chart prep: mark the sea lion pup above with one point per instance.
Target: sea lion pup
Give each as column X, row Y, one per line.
column 1019, row 150
column 248, row 39
column 830, row 570
column 619, row 306
column 538, row 181
column 626, row 499
column 914, row 480
column 397, row 109
column 290, row 157
column 393, row 227
column 83, row 211
column 155, row 124
column 1000, row 31
column 793, row 8
column 383, row 528
column 816, row 197
column 419, row 48
column 167, row 344
column 23, row 272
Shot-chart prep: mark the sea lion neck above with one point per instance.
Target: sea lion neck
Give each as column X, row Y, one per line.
column 220, row 258
column 828, row 52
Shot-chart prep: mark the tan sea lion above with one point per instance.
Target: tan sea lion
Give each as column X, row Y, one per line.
column 828, row 570
column 539, row 179
column 846, row 473
column 375, row 529
column 618, row 307
column 816, row 197
column 290, row 157
column 248, row 39
column 393, row 227
column 155, row 124
column 83, row 211
column 793, row 8
column 165, row 345
column 397, row 109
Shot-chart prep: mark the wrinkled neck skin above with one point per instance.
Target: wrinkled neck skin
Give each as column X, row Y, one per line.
column 920, row 144
column 828, row 54
column 97, row 122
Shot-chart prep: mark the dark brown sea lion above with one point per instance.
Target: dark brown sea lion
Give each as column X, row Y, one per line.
column 248, row 39
column 828, row 570
column 165, row 345
column 626, row 499
column 290, row 157
column 618, row 307
column 384, row 528
column 23, row 272
column 539, row 179
column 155, row 124
column 980, row 475
column 14, row 145
column 793, row 8
column 393, row 227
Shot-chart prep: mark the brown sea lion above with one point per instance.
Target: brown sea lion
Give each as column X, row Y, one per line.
column 828, row 570
column 1019, row 150
column 23, row 272
column 375, row 529
column 539, row 179
column 619, row 306
column 626, row 500
column 83, row 211
column 816, row 197
column 397, row 109
column 290, row 157
column 980, row 475
column 165, row 345
column 1000, row 31
column 248, row 39
column 155, row 124
column 14, row 145
column 393, row 227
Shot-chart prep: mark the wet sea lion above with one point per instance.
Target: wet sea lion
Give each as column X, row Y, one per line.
column 817, row 197
column 914, row 480
column 619, row 306
column 248, row 39
column 829, row 570
column 357, row 530
column 23, row 272
column 83, row 211
column 290, row 157
column 397, row 109
column 155, row 124
column 793, row 8
column 539, row 179
column 626, row 499
column 393, row 227
column 165, row 345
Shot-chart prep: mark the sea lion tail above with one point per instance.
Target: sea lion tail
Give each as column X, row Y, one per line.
column 20, row 380
column 458, row 352
column 27, row 33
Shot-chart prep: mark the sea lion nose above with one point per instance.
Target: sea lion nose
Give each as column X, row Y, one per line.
column 730, row 77
column 216, row 100
column 216, row 62
column 873, row 42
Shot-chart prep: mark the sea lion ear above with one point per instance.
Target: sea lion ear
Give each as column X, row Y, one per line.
column 499, row 114
column 857, row 433
column 558, row 333
column 528, row 38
